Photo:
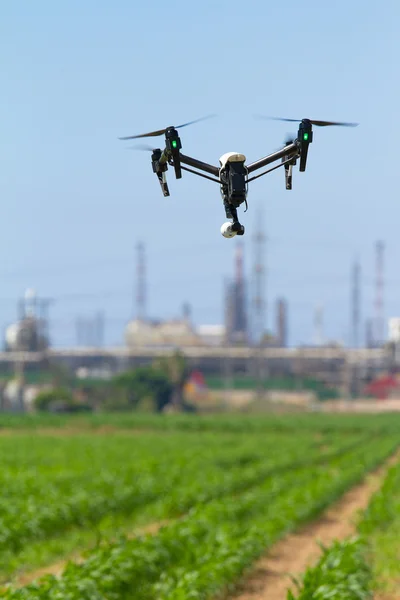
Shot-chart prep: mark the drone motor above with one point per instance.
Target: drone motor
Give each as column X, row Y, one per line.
column 173, row 144
column 305, row 137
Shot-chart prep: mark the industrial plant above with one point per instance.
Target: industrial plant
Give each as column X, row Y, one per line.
column 241, row 345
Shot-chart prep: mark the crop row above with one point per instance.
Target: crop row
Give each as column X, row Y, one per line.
column 204, row 553
column 169, row 482
column 317, row 422
column 345, row 570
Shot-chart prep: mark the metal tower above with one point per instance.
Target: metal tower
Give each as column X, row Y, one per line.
column 240, row 304
column 369, row 337
column 379, row 317
column 355, row 304
column 140, row 283
column 235, row 302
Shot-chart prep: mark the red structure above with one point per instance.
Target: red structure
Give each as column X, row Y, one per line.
column 382, row 387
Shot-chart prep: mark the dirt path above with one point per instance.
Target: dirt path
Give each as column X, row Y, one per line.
column 58, row 567
column 272, row 575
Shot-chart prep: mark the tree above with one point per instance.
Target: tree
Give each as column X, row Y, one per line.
column 175, row 368
column 144, row 383
column 59, row 400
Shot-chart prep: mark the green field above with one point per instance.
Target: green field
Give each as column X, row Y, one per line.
column 219, row 491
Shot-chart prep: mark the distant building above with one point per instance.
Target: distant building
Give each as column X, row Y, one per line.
column 176, row 332
column 29, row 333
column 25, row 336
column 211, row 335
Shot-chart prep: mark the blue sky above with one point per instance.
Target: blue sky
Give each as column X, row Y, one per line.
column 77, row 75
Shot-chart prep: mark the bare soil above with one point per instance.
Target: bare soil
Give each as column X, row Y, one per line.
column 273, row 574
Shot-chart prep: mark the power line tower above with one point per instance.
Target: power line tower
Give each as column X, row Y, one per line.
column 226, row 362
column 379, row 288
column 355, row 304
column 140, row 282
column 235, row 302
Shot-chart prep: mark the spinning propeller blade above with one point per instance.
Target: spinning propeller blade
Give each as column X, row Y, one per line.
column 313, row 121
column 142, row 147
column 162, row 131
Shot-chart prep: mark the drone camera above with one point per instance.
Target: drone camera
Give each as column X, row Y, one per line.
column 229, row 230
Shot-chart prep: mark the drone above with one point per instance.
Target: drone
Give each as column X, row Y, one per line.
column 233, row 175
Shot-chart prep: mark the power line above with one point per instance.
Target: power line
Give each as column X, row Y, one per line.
column 122, row 260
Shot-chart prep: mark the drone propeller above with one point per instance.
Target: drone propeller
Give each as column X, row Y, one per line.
column 162, row 131
column 142, row 147
column 312, row 121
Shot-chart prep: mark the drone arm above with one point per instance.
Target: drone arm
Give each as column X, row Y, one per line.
column 291, row 150
column 282, row 164
column 200, row 174
column 198, row 164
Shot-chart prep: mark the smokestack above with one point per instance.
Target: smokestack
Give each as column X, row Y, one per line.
column 239, row 264
column 282, row 327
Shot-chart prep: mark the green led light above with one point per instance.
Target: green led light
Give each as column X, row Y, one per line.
column 305, row 137
column 174, row 143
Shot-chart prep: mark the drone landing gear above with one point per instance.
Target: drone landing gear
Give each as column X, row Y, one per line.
column 229, row 230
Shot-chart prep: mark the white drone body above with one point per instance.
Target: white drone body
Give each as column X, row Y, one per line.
column 231, row 157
